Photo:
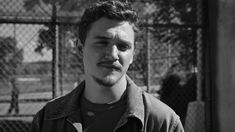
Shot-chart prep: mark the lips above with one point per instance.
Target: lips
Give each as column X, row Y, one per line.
column 109, row 65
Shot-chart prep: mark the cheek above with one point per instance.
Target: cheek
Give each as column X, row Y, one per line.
column 131, row 60
column 88, row 52
column 127, row 59
column 87, row 56
column 90, row 56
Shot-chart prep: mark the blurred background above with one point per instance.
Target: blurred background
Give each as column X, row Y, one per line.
column 40, row 57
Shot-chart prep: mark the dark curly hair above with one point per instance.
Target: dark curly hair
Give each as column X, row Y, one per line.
column 112, row 9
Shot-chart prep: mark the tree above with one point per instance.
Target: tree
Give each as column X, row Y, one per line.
column 11, row 58
column 65, row 11
column 62, row 11
column 182, row 15
column 173, row 33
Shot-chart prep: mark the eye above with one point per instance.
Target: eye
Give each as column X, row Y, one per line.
column 123, row 46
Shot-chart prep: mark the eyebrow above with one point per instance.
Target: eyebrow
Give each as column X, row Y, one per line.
column 102, row 37
column 108, row 38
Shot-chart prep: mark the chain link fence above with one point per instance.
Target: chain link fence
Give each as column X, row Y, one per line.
column 40, row 55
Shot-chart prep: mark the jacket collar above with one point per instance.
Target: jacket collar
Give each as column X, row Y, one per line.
column 68, row 105
column 135, row 105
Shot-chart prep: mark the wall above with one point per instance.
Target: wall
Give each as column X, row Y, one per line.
column 225, row 78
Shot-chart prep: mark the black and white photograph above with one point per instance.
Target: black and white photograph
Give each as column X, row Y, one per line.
column 117, row 65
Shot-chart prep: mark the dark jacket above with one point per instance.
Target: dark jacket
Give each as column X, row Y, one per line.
column 144, row 113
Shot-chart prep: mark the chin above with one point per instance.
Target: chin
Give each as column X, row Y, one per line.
column 107, row 81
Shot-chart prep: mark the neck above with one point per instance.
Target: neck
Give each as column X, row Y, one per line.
column 99, row 94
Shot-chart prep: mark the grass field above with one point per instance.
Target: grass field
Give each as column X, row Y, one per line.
column 31, row 88
column 26, row 108
column 34, row 84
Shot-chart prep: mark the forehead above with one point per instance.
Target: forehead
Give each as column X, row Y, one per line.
column 111, row 28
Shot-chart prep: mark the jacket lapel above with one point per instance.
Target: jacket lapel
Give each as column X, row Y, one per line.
column 65, row 106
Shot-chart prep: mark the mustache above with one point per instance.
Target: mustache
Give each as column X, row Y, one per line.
column 109, row 64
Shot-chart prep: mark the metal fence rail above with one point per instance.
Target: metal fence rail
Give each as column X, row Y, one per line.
column 40, row 55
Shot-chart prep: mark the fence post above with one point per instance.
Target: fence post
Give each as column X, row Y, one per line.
column 195, row 119
column 148, row 56
column 55, row 55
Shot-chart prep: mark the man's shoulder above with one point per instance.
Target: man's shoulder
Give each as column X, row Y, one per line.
column 67, row 99
column 153, row 106
column 160, row 116
column 61, row 106
column 157, row 108
column 53, row 103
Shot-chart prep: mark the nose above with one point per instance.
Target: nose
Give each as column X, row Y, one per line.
column 111, row 53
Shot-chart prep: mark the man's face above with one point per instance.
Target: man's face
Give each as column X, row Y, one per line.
column 108, row 51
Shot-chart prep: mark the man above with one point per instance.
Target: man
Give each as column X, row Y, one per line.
column 107, row 100
column 14, row 97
